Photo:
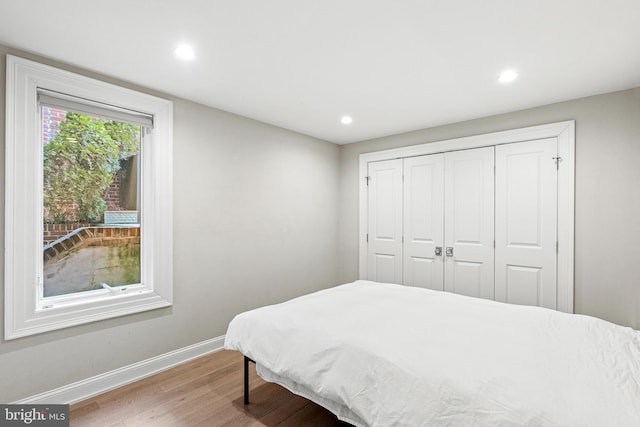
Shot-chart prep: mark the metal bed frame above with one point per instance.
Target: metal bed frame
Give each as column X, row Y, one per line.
column 246, row 378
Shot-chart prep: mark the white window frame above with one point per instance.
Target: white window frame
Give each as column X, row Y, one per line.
column 25, row 312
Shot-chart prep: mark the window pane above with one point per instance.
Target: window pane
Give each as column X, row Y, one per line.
column 91, row 200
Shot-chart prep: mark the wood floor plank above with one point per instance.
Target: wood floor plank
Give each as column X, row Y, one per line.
column 207, row 391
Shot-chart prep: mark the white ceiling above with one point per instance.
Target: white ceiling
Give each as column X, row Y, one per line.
column 394, row 66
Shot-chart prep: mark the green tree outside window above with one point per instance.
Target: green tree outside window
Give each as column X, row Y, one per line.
column 79, row 164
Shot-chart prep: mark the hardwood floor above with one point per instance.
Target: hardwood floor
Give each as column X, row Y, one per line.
column 204, row 392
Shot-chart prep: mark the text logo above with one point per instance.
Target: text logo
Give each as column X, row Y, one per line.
column 34, row 415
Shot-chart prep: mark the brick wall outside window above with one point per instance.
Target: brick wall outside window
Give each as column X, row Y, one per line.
column 51, row 118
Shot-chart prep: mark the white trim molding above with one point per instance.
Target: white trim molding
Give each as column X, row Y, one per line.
column 85, row 389
column 25, row 311
column 565, row 134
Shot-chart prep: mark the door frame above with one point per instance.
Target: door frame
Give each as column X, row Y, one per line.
column 565, row 134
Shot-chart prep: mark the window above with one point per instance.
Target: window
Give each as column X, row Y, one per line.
column 90, row 199
column 88, row 225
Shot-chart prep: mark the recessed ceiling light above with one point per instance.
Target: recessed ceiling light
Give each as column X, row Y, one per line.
column 185, row 52
column 346, row 120
column 507, row 76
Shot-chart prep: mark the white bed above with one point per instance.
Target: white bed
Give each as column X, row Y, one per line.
column 381, row 355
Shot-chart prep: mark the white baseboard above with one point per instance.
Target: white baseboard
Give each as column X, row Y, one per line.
column 93, row 386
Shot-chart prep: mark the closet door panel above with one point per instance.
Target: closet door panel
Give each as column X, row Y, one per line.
column 469, row 222
column 465, row 278
column 384, row 228
column 526, row 223
column 423, row 221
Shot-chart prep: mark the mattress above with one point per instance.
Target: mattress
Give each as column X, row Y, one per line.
column 380, row 354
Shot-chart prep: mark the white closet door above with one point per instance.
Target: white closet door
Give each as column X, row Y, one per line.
column 384, row 249
column 423, row 221
column 469, row 231
column 526, row 223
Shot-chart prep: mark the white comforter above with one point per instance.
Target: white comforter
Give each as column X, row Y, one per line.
column 389, row 355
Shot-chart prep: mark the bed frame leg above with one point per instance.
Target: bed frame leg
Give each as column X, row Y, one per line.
column 246, row 379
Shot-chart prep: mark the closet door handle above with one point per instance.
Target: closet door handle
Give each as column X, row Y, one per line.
column 449, row 251
column 438, row 250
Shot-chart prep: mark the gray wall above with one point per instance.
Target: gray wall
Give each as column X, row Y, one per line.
column 255, row 222
column 607, row 194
